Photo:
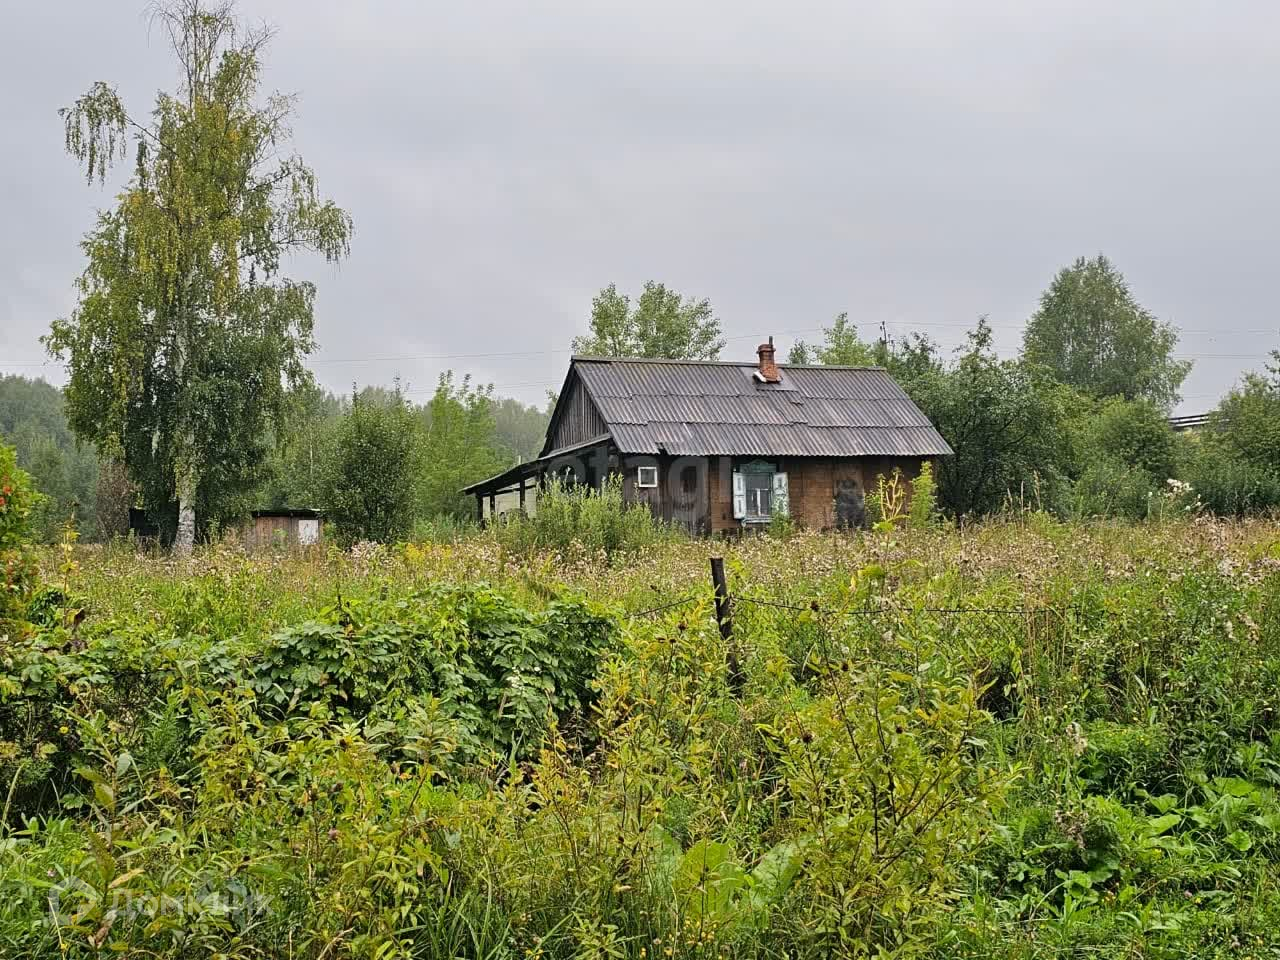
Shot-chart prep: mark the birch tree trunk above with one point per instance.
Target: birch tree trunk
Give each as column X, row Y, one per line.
column 187, row 481
column 185, row 477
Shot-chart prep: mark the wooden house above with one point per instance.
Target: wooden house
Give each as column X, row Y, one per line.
column 720, row 447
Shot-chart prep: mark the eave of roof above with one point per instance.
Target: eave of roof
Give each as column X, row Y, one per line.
column 528, row 467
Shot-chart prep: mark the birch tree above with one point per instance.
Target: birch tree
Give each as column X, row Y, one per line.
column 1091, row 334
column 661, row 323
column 186, row 337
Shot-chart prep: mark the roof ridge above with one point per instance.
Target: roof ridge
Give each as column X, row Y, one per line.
column 589, row 358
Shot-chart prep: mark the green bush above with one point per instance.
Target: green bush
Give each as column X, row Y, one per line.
column 923, row 512
column 1229, row 485
column 18, row 501
column 367, row 487
column 1124, row 757
column 500, row 672
column 574, row 518
column 1135, row 433
column 1109, row 488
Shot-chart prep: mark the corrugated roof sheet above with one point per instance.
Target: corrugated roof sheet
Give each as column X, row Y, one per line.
column 693, row 408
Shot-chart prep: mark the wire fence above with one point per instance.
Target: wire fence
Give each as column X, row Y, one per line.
column 1048, row 624
column 1027, row 647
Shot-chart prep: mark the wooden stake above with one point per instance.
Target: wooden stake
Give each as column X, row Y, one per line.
column 724, row 618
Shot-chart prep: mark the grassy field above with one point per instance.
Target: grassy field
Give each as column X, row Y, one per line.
column 1022, row 739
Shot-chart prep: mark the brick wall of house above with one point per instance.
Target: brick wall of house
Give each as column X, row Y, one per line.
column 813, row 483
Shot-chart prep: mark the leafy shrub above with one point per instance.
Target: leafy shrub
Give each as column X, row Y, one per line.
column 575, row 518
column 1231, row 486
column 1109, row 488
column 367, row 489
column 1135, row 433
column 1247, row 422
column 500, row 672
column 781, row 526
column 1123, row 757
column 923, row 511
column 18, row 499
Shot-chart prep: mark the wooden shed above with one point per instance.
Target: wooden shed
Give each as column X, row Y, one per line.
column 283, row 527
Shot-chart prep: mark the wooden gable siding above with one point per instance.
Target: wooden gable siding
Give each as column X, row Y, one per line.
column 578, row 419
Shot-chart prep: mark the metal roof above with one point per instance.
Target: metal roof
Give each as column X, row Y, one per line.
column 704, row 408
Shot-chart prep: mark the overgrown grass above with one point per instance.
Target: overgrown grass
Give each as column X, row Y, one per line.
column 1026, row 739
column 577, row 519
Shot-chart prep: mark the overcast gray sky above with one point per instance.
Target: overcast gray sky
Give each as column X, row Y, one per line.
column 913, row 163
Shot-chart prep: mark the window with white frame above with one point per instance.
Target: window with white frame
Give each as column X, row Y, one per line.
column 646, row 477
column 760, row 493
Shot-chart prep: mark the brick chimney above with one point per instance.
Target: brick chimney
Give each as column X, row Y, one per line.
column 768, row 372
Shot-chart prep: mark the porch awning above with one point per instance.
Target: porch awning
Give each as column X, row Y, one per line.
column 514, row 476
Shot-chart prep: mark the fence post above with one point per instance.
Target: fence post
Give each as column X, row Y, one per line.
column 724, row 619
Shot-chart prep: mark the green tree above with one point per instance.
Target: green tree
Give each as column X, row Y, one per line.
column 65, row 471
column 909, row 358
column 906, row 359
column 841, row 346
column 521, row 429
column 1233, row 464
column 301, row 448
column 186, row 338
column 1091, row 334
column 661, row 324
column 371, row 470
column 461, row 446
column 1006, row 422
column 1247, row 422
column 113, row 496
